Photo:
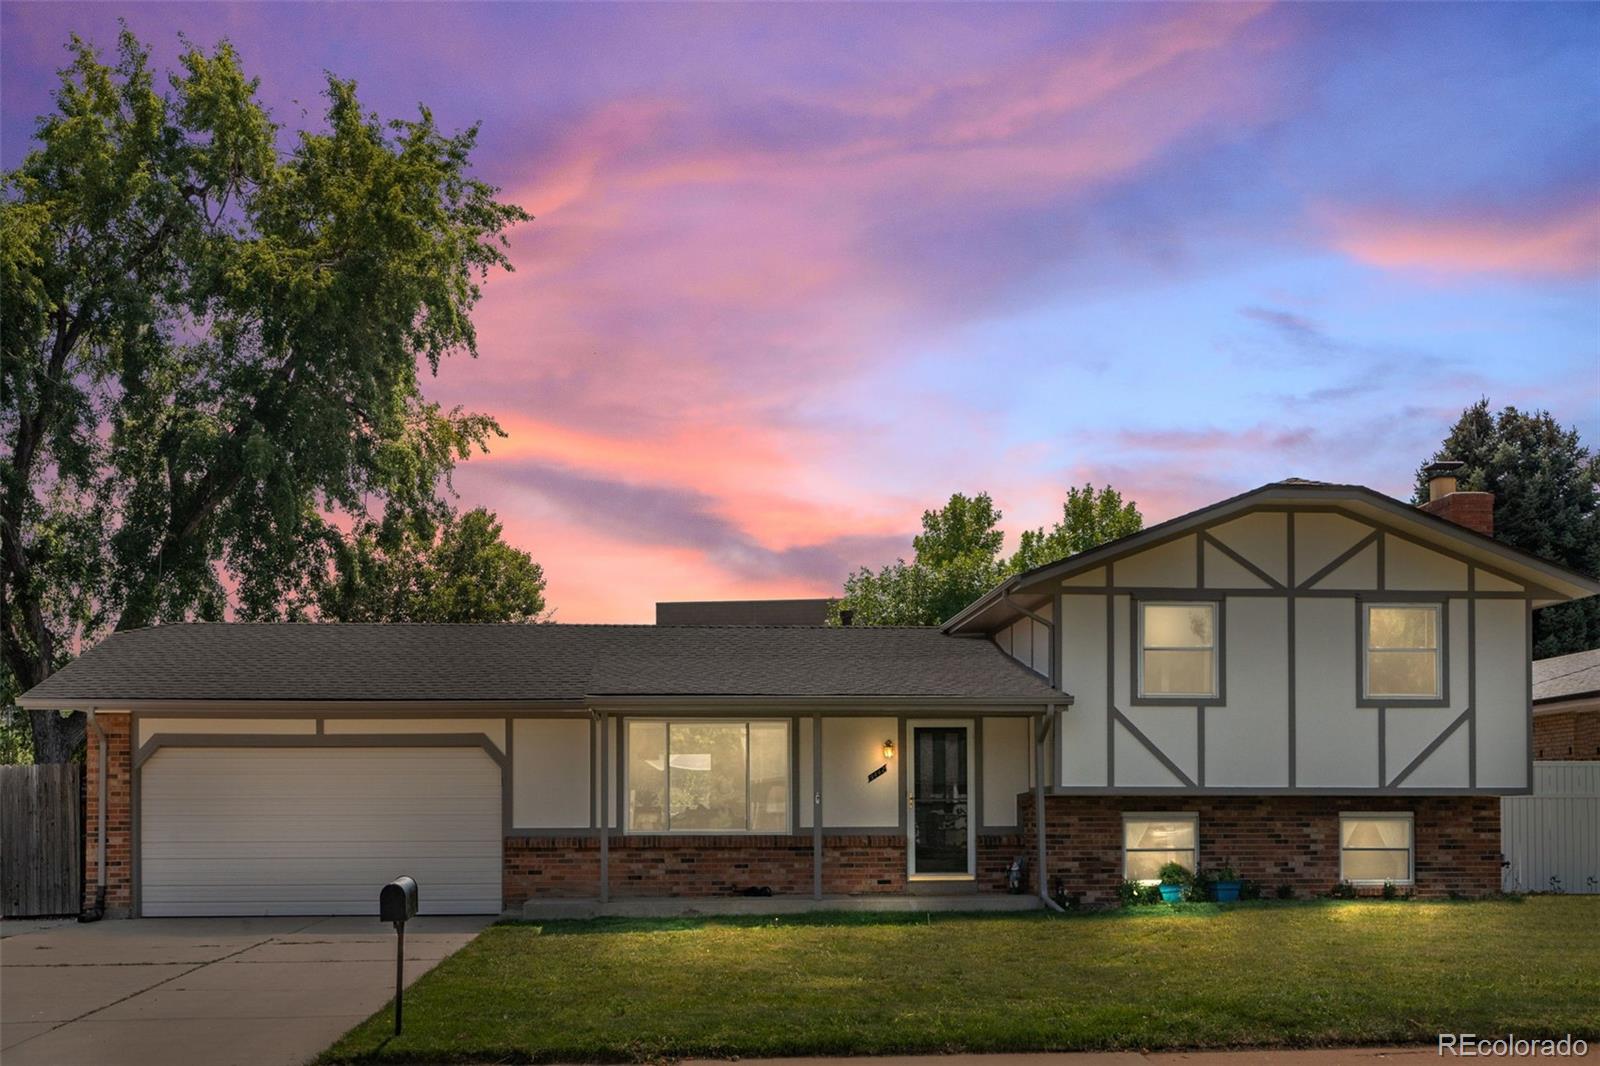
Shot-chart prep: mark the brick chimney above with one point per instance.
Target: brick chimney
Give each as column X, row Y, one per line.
column 1475, row 510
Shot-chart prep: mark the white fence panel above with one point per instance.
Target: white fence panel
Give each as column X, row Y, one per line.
column 1551, row 839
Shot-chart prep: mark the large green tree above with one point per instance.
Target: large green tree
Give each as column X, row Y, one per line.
column 958, row 556
column 1546, row 487
column 422, row 570
column 212, row 334
column 1089, row 518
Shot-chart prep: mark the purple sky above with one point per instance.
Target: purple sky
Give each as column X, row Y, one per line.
column 800, row 271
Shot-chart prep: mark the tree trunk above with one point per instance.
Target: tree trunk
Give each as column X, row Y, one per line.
column 56, row 737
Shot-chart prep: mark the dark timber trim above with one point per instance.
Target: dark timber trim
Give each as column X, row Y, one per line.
column 1153, row 748
column 1433, row 746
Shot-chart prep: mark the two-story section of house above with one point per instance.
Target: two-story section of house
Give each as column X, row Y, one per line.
column 1312, row 684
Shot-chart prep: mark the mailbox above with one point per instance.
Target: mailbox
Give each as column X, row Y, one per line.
column 397, row 902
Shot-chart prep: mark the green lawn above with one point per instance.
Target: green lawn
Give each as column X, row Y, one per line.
column 1203, row 975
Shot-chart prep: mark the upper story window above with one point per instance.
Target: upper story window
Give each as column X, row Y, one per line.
column 699, row 776
column 1402, row 652
column 1178, row 650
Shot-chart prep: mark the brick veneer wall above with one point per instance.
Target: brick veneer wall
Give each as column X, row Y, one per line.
column 1275, row 840
column 701, row 865
column 854, row 865
column 119, row 814
column 1569, row 736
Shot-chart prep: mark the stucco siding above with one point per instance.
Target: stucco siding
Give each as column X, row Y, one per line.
column 493, row 728
column 1410, row 566
column 1081, row 745
column 1247, row 740
column 1169, row 565
column 1005, row 768
column 149, row 727
column 1336, row 743
column 1502, row 694
column 550, row 767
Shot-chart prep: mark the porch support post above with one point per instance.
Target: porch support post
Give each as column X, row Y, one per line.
column 816, row 806
column 1040, row 732
column 605, row 808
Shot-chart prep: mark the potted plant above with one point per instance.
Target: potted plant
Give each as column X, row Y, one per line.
column 1175, row 877
column 1225, row 880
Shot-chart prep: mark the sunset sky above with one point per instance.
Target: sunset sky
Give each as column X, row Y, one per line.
column 799, row 272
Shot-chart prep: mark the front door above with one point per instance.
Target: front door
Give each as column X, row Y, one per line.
column 940, row 801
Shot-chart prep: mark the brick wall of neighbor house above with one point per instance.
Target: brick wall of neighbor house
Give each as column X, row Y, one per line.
column 855, row 865
column 1275, row 840
column 119, row 813
column 1568, row 736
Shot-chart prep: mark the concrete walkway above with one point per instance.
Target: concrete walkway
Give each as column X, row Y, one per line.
column 218, row 991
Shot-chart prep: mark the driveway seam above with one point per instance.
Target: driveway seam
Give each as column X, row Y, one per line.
column 158, row 984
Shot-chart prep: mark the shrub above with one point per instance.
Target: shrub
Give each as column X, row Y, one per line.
column 1128, row 893
column 1389, row 891
column 1343, row 890
column 1285, row 891
column 1175, row 873
column 1249, row 889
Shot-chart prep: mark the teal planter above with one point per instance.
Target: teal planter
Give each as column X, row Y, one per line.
column 1173, row 893
column 1227, row 891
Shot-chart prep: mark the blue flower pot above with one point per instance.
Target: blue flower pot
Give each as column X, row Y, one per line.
column 1171, row 893
column 1227, row 891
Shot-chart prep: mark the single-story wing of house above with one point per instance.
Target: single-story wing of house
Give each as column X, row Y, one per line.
column 1311, row 684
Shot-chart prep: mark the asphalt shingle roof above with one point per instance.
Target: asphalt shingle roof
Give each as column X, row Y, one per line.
column 220, row 661
column 1567, row 677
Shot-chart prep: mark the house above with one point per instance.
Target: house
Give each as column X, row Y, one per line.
column 1312, row 682
column 1566, row 707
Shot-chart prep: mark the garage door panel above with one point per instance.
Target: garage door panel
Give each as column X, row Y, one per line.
column 318, row 830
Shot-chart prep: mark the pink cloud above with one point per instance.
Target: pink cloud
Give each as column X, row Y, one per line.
column 1560, row 243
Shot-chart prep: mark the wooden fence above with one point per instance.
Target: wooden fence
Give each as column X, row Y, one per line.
column 1551, row 839
column 41, row 841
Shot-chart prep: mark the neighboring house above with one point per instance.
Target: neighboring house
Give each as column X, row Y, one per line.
column 1566, row 707
column 744, row 612
column 1311, row 682
column 1551, row 837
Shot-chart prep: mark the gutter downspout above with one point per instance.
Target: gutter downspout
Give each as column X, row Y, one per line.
column 1041, row 731
column 98, row 910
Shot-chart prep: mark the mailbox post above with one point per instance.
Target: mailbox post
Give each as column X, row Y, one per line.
column 397, row 903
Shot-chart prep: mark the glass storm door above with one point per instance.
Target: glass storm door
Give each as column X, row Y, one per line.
column 940, row 802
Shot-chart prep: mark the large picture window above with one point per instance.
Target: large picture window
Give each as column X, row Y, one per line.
column 1375, row 848
column 708, row 777
column 1178, row 650
column 1402, row 652
column 1150, row 841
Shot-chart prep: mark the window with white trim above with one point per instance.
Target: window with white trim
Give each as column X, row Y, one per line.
column 1402, row 651
column 706, row 776
column 1375, row 848
column 1150, row 841
column 1178, row 650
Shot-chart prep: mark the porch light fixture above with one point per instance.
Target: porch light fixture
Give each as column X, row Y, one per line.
column 888, row 749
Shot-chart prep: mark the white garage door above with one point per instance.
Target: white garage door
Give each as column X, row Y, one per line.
column 317, row 830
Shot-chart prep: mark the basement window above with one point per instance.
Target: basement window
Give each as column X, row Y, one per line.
column 1375, row 849
column 1402, row 652
column 706, row 776
column 1150, row 841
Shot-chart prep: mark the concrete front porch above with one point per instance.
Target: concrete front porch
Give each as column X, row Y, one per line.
column 713, row 906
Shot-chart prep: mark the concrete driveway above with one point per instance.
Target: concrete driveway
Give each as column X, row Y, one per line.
column 213, row 991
